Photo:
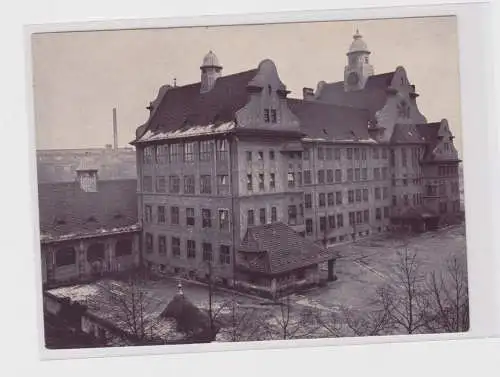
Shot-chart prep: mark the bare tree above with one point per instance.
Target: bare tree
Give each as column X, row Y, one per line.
column 448, row 309
column 130, row 309
column 404, row 299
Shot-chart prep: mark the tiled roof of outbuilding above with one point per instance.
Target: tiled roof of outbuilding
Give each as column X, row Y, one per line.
column 276, row 248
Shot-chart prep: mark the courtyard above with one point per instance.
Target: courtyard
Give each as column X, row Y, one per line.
column 361, row 268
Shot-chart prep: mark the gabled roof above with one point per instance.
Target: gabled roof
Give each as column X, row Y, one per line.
column 67, row 210
column 407, row 133
column 276, row 248
column 372, row 98
column 331, row 122
column 429, row 132
column 185, row 106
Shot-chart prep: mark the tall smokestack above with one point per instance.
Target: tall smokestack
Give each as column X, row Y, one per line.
column 115, row 130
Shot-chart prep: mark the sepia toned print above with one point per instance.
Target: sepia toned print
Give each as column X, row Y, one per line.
column 240, row 210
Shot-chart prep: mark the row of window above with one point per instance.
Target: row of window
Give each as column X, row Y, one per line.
column 334, row 221
column 206, row 216
column 292, row 215
column 190, row 249
column 330, row 153
column 446, row 171
column 186, row 152
column 205, row 184
column 66, row 256
column 417, row 199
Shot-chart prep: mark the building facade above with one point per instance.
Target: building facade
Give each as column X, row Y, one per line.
column 88, row 227
column 231, row 153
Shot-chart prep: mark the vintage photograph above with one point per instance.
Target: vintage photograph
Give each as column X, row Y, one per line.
column 250, row 182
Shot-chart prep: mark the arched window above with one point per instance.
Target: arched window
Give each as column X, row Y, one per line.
column 123, row 247
column 65, row 256
column 95, row 252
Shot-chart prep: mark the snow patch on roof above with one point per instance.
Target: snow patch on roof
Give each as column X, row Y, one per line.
column 363, row 141
column 46, row 237
column 198, row 130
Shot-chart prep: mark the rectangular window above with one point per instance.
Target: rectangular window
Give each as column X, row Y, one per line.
column 222, row 149
column 271, row 155
column 149, row 243
column 404, row 158
column 266, row 115
column 261, row 181
column 291, row 179
column 359, row 217
column 189, row 184
column 206, row 218
column 322, row 224
column 162, row 245
column 161, row 214
column 330, row 199
column 262, row 216
column 364, row 174
column 305, row 155
column 384, row 153
column 357, row 174
column 366, row 216
column 338, row 175
column 207, row 252
column 338, row 197
column 249, row 156
column 331, row 221
column 292, row 215
column 321, row 177
column 174, row 184
column 365, row 194
column 329, row 153
column 405, row 182
column 274, row 116
column 385, row 193
column 174, row 215
column 160, row 183
column 385, row 173
column 352, row 218
column 205, row 184
column 148, row 155
column 250, row 217
column 329, row 175
column 406, row 200
column 377, row 193
column 376, row 174
column 321, row 153
column 349, row 153
column 299, row 178
column 224, row 254
column 274, row 214
column 337, row 153
column 148, row 213
column 308, row 200
column 260, row 156
column 272, row 181
column 173, row 152
column 358, row 195
column 176, row 247
column 206, row 150
column 392, row 159
column 223, row 219
column 378, row 214
column 350, row 196
column 222, row 184
column 356, row 153
column 147, row 183
column 322, row 201
column 307, row 177
column 190, row 217
column 386, row 212
column 191, row 249
column 363, row 154
column 189, row 152
column 340, row 220
column 375, row 153
column 394, row 200
column 309, row 227
column 350, row 175
column 249, row 182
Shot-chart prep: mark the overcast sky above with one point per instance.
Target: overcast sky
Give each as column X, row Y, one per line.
column 80, row 77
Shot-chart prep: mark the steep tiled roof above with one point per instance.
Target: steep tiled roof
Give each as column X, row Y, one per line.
column 67, row 210
column 407, row 133
column 429, row 131
column 372, row 98
column 325, row 121
column 277, row 248
column 185, row 106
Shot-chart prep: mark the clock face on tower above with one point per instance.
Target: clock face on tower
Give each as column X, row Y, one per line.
column 353, row 78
